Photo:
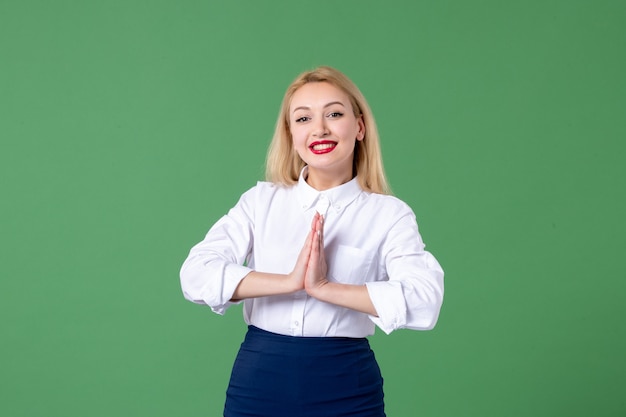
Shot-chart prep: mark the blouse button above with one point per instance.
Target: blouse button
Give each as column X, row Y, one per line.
column 322, row 205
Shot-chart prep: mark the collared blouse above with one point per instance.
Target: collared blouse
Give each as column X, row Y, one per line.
column 369, row 239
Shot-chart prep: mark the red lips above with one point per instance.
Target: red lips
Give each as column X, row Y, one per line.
column 322, row 146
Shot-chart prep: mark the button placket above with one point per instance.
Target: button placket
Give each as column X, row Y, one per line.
column 297, row 314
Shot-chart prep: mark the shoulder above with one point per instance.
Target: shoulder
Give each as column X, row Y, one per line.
column 265, row 187
column 385, row 204
column 264, row 191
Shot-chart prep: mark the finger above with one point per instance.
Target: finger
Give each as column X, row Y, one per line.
column 320, row 227
column 303, row 261
column 314, row 241
column 321, row 255
column 306, row 248
column 314, row 253
column 314, row 221
column 311, row 242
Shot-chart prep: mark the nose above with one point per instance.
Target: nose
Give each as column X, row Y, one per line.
column 319, row 128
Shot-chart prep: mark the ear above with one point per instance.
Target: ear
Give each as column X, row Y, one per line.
column 361, row 133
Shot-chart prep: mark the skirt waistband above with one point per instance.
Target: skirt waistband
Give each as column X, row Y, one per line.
column 303, row 344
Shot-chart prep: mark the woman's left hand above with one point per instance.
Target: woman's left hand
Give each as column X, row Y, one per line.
column 317, row 268
column 316, row 284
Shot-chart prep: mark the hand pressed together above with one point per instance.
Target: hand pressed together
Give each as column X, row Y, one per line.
column 310, row 274
column 311, row 267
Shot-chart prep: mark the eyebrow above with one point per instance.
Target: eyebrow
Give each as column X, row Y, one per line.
column 326, row 105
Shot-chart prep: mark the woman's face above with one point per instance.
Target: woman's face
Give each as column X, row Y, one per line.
column 324, row 131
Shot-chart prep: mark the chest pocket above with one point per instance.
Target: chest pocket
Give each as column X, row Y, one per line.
column 349, row 265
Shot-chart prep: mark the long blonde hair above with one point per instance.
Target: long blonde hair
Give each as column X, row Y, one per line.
column 283, row 164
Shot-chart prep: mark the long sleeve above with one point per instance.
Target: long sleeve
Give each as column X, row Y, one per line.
column 412, row 296
column 216, row 265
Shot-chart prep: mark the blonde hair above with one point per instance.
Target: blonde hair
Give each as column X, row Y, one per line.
column 283, row 164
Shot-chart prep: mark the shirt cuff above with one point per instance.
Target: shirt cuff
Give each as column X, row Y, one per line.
column 232, row 277
column 388, row 300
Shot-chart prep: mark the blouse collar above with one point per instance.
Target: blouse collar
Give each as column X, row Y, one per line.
column 336, row 197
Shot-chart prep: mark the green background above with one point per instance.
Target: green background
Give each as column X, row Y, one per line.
column 128, row 127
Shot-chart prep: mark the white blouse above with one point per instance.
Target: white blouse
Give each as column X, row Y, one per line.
column 369, row 239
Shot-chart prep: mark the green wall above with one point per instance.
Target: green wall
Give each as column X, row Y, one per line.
column 128, row 127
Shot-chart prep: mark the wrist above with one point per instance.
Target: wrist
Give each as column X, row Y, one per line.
column 291, row 283
column 355, row 297
column 321, row 291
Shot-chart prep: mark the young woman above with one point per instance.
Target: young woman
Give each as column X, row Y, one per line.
column 319, row 255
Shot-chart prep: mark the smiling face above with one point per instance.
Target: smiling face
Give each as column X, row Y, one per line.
column 324, row 130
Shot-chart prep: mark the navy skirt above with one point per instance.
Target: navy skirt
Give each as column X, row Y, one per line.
column 285, row 376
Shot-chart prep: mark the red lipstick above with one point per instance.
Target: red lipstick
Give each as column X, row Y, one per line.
column 322, row 146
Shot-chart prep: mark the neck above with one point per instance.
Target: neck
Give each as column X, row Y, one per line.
column 323, row 180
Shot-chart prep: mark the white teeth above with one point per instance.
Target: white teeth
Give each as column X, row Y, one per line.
column 323, row 146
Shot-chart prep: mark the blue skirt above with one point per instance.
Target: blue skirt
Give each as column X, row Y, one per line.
column 285, row 376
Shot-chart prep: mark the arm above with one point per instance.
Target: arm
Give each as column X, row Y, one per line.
column 216, row 265
column 413, row 295
column 262, row 284
column 355, row 297
column 214, row 272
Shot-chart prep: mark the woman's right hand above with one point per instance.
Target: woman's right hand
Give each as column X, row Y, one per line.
column 261, row 284
column 298, row 274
